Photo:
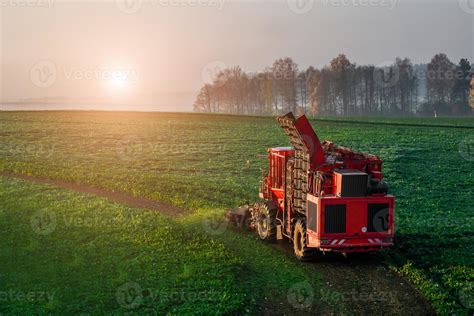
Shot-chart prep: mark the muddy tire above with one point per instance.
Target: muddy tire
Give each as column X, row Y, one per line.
column 266, row 222
column 302, row 252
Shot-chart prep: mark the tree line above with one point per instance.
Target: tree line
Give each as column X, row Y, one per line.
column 341, row 88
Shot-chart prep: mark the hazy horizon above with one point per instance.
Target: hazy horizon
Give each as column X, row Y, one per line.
column 156, row 54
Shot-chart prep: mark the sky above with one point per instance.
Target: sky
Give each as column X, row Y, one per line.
column 156, row 54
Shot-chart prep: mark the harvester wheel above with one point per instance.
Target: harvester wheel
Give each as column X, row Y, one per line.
column 302, row 252
column 266, row 222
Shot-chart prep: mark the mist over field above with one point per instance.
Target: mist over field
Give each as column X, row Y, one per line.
column 156, row 55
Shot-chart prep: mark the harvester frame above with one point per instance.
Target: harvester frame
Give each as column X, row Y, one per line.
column 322, row 197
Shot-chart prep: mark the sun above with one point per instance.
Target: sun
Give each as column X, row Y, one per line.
column 119, row 81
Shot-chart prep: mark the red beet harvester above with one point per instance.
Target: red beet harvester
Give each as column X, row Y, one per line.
column 321, row 196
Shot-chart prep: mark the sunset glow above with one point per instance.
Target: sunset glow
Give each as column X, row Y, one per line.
column 119, row 82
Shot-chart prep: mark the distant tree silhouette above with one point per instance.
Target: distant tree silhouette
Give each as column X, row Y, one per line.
column 341, row 88
column 462, row 86
column 284, row 74
column 440, row 79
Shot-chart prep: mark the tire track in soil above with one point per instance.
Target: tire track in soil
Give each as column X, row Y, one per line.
column 124, row 198
column 367, row 286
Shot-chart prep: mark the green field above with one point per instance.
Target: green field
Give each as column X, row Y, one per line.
column 205, row 164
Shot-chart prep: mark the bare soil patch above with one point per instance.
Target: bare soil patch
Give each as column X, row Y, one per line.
column 366, row 285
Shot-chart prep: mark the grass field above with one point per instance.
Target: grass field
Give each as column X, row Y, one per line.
column 206, row 163
column 94, row 256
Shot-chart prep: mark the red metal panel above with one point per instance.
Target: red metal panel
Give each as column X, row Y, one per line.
column 277, row 159
column 356, row 238
column 313, row 237
column 277, row 166
column 311, row 141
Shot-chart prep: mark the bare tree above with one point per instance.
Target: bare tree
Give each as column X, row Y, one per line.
column 284, row 72
column 342, row 67
column 440, row 78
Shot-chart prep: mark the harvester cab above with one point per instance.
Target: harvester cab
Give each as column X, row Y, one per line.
column 321, row 197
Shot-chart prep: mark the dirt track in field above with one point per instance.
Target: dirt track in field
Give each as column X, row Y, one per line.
column 367, row 286
column 127, row 199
